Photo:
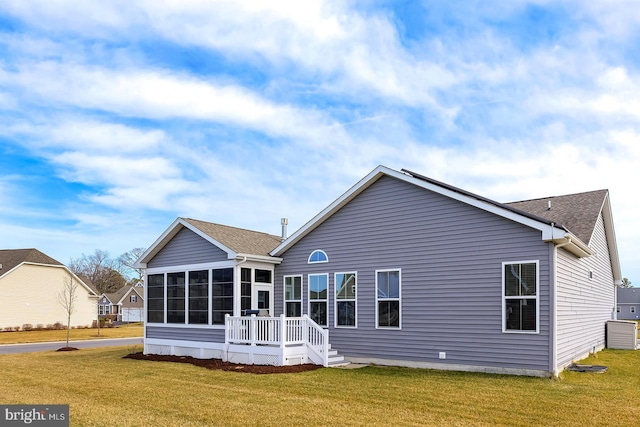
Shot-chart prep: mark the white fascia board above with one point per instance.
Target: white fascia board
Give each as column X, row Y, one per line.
column 73, row 275
column 230, row 253
column 158, row 244
column 168, row 234
column 610, row 232
column 359, row 187
column 548, row 231
column 259, row 258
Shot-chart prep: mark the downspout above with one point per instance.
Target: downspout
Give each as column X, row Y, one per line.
column 554, row 305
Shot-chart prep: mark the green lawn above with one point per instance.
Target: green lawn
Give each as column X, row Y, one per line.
column 103, row 390
column 122, row 331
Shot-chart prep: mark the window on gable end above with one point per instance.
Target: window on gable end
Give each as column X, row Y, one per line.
column 318, row 256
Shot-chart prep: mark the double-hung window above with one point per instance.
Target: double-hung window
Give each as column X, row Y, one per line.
column 293, row 296
column 520, row 296
column 345, row 309
column 388, row 299
column 318, row 289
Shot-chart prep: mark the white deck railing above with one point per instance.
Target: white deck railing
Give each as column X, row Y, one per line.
column 281, row 332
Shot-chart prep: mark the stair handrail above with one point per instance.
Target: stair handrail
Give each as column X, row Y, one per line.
column 314, row 333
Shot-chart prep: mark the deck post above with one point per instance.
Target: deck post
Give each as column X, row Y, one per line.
column 283, row 330
column 325, row 348
column 252, row 330
column 226, row 329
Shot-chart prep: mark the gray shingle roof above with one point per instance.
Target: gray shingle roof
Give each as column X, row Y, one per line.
column 576, row 212
column 10, row 258
column 628, row 296
column 116, row 296
column 238, row 240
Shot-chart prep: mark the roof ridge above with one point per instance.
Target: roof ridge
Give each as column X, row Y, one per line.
column 231, row 226
column 558, row 196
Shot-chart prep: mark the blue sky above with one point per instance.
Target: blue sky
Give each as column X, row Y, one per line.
column 118, row 116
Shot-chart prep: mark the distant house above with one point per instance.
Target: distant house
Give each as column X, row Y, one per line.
column 628, row 307
column 399, row 270
column 30, row 282
column 125, row 305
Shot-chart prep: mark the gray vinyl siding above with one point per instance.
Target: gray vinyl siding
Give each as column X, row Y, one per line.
column 187, row 247
column 450, row 255
column 186, row 334
column 625, row 311
column 584, row 305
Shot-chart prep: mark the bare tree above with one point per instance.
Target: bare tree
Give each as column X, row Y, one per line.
column 127, row 261
column 103, row 272
column 67, row 297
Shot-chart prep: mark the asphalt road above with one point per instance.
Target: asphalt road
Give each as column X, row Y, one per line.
column 47, row 346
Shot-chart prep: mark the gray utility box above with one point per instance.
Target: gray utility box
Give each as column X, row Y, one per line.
column 622, row 334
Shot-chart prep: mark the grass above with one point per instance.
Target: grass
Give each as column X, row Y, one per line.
column 104, row 389
column 122, row 331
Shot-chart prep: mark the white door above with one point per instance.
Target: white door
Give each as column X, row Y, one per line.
column 262, row 299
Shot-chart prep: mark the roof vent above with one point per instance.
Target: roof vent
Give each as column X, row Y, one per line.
column 549, row 205
column 284, row 222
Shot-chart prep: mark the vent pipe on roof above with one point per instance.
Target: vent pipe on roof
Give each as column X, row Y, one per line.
column 284, row 222
column 549, row 205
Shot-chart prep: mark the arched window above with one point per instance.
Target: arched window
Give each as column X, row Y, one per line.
column 318, row 256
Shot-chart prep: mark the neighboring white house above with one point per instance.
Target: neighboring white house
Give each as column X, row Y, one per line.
column 30, row 283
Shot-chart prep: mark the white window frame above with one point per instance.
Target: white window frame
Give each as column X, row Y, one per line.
column 318, row 262
column 284, row 292
column 336, row 300
column 326, row 300
column 133, row 298
column 632, row 309
column 618, row 309
column 528, row 297
column 399, row 299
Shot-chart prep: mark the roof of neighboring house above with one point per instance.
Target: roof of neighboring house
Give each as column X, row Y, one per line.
column 238, row 239
column 236, row 242
column 628, row 295
column 10, row 258
column 117, row 296
column 576, row 212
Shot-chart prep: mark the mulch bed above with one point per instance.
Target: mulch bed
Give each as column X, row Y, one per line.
column 66, row 349
column 224, row 366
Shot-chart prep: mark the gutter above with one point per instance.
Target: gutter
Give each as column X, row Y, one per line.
column 573, row 245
